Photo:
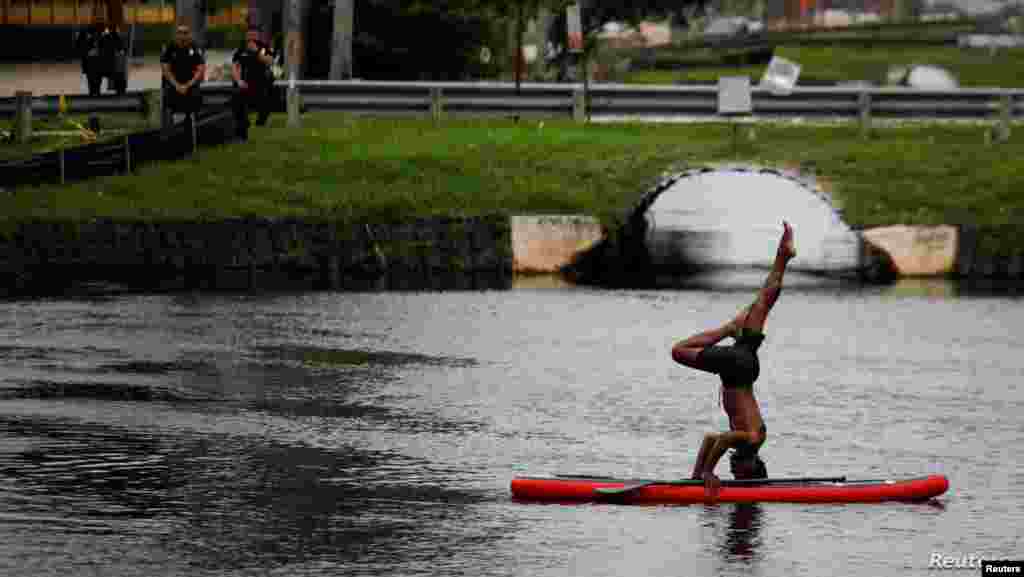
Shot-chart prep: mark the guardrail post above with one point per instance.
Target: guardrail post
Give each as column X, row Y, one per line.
column 294, row 107
column 152, row 107
column 166, row 116
column 127, row 155
column 23, row 116
column 579, row 105
column 436, row 103
column 1005, row 118
column 864, row 105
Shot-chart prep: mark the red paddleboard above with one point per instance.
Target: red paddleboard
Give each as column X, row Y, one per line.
column 575, row 488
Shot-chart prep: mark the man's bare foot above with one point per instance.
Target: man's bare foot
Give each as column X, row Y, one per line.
column 786, row 248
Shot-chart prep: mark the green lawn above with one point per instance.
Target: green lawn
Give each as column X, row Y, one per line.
column 973, row 68
column 348, row 169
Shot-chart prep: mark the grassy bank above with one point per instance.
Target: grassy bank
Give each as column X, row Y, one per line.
column 973, row 68
column 361, row 169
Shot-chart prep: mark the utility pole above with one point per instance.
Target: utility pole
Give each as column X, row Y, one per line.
column 341, row 56
column 519, row 44
column 544, row 19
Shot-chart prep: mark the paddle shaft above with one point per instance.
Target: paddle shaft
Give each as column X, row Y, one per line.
column 725, row 483
column 629, row 487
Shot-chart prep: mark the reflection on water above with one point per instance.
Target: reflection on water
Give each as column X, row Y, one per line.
column 743, row 538
column 540, row 281
column 923, row 287
column 948, row 288
column 219, row 502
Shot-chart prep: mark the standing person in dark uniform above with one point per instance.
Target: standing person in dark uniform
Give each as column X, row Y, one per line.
column 100, row 48
column 254, row 79
column 184, row 68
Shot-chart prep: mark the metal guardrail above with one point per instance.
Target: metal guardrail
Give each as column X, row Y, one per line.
column 534, row 99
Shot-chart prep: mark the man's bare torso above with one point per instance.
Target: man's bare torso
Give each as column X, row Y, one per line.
column 741, row 406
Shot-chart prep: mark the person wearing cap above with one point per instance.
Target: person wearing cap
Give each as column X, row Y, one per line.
column 184, row 68
column 253, row 81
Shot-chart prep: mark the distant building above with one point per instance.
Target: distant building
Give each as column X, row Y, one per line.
column 49, row 13
column 646, row 34
column 788, row 14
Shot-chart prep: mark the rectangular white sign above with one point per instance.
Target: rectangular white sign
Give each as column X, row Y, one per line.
column 734, row 95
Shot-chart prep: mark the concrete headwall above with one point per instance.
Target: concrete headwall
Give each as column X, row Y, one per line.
column 546, row 244
column 948, row 251
column 917, row 251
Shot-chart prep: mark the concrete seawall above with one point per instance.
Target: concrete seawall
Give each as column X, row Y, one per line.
column 254, row 254
column 461, row 253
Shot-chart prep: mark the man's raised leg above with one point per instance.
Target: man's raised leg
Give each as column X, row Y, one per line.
column 755, row 316
column 685, row 352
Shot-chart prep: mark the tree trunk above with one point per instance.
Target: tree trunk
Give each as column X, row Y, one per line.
column 115, row 15
column 255, row 19
column 341, row 57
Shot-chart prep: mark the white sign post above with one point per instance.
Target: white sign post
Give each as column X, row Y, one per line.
column 734, row 100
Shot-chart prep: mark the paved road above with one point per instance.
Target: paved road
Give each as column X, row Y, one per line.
column 67, row 78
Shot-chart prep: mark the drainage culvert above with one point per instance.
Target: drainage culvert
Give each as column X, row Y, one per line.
column 722, row 224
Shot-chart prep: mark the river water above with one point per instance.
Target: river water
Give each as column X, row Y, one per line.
column 376, row 433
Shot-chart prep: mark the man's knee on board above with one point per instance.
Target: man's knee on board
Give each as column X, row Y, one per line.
column 757, row 438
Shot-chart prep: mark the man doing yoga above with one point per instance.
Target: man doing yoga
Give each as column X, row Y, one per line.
column 737, row 366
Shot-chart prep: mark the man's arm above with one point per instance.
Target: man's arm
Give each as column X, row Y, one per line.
column 82, row 43
column 117, row 41
column 236, row 68
column 168, row 75
column 723, row 443
column 165, row 66
column 264, row 53
column 198, row 75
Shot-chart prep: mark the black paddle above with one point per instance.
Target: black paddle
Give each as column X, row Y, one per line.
column 633, row 486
